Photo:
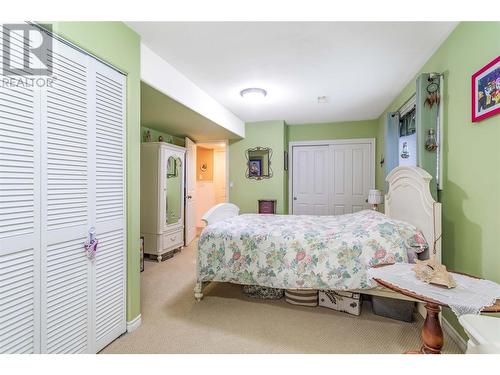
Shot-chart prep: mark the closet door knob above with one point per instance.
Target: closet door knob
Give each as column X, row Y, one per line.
column 189, row 197
column 294, row 198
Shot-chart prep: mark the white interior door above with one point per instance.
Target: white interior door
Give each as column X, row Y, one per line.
column 190, row 206
column 310, row 180
column 352, row 177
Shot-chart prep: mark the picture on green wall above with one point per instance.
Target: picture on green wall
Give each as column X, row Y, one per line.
column 255, row 167
column 486, row 91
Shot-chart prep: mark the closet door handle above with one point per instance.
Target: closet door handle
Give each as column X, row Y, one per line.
column 91, row 244
column 294, row 198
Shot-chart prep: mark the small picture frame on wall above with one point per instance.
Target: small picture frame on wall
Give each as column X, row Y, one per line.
column 142, row 253
column 486, row 91
column 255, row 167
column 285, row 161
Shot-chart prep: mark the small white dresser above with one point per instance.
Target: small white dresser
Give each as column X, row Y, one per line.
column 162, row 198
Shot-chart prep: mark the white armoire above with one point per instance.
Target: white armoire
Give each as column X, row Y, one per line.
column 62, row 175
column 162, row 198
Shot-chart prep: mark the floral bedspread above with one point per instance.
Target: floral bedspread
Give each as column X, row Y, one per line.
column 300, row 252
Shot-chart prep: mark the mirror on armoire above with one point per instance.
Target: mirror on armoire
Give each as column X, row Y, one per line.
column 174, row 190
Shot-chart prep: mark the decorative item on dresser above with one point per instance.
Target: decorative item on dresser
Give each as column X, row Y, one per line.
column 267, row 206
column 162, row 199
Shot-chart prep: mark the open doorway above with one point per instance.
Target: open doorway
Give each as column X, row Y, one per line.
column 211, row 177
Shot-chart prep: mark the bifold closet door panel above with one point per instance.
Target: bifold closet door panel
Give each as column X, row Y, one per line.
column 67, row 200
column 352, row 175
column 109, row 303
column 19, row 213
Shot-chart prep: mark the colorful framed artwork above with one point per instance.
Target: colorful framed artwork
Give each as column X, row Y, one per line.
column 142, row 254
column 486, row 91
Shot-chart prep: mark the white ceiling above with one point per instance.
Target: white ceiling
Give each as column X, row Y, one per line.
column 360, row 66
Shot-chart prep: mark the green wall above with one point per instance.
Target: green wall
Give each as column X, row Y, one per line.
column 245, row 192
column 118, row 45
column 333, row 130
column 277, row 135
column 471, row 154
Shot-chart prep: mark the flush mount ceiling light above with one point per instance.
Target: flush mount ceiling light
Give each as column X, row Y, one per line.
column 253, row 93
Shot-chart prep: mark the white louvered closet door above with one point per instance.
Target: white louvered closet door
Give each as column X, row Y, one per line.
column 67, row 200
column 109, row 308
column 83, row 179
column 19, row 214
column 62, row 170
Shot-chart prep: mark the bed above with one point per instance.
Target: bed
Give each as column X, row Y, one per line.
column 320, row 252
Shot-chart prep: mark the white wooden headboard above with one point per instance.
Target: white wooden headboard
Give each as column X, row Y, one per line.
column 409, row 199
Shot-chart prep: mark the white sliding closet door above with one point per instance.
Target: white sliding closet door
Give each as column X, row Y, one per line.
column 62, row 171
column 19, row 215
column 332, row 177
column 352, row 177
column 310, row 180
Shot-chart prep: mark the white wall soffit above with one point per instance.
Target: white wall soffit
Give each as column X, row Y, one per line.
column 159, row 74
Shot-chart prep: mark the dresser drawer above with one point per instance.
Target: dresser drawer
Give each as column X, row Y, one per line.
column 173, row 240
column 267, row 206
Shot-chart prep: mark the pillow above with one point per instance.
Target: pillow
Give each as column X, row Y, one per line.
column 416, row 245
column 392, row 240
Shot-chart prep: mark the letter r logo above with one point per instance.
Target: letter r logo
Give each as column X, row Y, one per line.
column 25, row 50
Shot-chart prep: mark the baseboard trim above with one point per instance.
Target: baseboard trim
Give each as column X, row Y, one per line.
column 134, row 323
column 454, row 335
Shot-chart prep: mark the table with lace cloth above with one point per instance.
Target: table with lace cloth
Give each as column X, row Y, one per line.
column 470, row 296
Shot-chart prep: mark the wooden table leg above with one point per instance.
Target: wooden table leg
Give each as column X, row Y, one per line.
column 432, row 334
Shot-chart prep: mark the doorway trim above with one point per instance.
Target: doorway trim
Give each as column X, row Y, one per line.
column 226, row 143
column 326, row 142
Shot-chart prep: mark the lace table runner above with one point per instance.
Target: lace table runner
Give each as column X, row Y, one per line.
column 470, row 295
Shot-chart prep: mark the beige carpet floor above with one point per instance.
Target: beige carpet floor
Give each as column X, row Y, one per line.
column 227, row 322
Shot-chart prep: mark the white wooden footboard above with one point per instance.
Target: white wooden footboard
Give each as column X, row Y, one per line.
column 220, row 212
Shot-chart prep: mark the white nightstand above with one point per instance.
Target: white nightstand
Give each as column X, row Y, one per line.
column 483, row 332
